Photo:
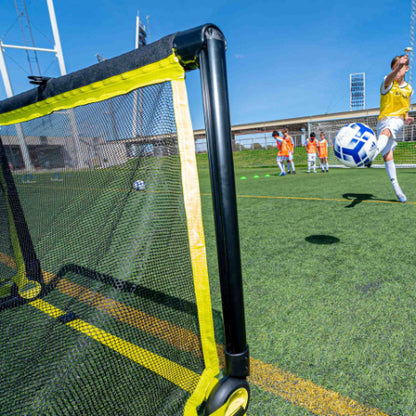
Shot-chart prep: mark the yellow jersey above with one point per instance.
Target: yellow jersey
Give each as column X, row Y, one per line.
column 395, row 102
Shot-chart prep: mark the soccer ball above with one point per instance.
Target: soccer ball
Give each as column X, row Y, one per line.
column 139, row 185
column 355, row 145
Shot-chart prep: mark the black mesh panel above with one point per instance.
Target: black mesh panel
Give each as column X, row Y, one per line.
column 116, row 258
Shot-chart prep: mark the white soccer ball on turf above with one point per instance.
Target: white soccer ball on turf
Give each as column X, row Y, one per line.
column 139, row 185
column 355, row 145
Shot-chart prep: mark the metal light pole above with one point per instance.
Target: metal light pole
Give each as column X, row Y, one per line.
column 57, row 51
column 9, row 93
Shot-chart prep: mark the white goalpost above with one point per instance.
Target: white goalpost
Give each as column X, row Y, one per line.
column 404, row 154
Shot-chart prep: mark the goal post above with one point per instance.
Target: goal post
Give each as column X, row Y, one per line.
column 209, row 55
column 404, row 154
column 26, row 283
column 115, row 261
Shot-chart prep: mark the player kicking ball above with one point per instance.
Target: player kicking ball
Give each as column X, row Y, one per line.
column 394, row 108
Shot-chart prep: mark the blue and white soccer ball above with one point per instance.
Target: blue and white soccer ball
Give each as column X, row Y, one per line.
column 139, row 185
column 355, row 145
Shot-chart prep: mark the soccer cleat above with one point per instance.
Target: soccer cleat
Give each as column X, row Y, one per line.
column 283, row 174
column 399, row 193
column 294, row 172
column 368, row 164
column 289, row 172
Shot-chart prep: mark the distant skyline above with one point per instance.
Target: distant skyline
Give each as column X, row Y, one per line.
column 284, row 59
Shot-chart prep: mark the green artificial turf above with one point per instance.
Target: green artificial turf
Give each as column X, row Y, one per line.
column 266, row 158
column 328, row 268
column 327, row 260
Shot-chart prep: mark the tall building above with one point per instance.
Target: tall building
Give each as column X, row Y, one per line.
column 357, row 91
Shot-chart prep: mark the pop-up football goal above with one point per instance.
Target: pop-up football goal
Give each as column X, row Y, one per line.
column 105, row 304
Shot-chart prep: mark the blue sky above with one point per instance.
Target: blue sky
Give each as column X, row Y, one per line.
column 285, row 58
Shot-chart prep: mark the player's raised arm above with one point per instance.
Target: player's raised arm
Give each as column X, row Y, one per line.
column 408, row 120
column 396, row 68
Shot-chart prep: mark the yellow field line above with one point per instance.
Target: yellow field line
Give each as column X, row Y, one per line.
column 8, row 261
column 305, row 393
column 268, row 377
column 164, row 330
column 168, row 332
column 175, row 373
column 301, row 198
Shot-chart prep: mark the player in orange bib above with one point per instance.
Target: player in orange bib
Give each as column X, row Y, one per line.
column 311, row 146
column 290, row 163
column 323, row 152
column 282, row 154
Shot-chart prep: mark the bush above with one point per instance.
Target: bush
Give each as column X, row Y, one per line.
column 256, row 146
column 238, row 147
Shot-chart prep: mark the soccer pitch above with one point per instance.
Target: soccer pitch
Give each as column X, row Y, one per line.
column 328, row 274
column 329, row 288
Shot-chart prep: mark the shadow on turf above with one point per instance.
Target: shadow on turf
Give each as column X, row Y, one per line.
column 128, row 287
column 322, row 239
column 141, row 291
column 138, row 290
column 357, row 198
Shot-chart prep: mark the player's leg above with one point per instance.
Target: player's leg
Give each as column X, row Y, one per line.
column 391, row 171
column 382, row 140
column 284, row 159
column 321, row 161
column 390, row 128
column 292, row 163
column 309, row 162
column 281, row 166
column 383, row 135
column 314, row 163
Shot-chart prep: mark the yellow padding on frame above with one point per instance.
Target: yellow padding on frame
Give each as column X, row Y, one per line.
column 192, row 204
column 165, row 70
column 175, row 373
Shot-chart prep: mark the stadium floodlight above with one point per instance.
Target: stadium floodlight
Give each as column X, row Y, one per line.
column 122, row 247
column 408, row 50
column 357, row 91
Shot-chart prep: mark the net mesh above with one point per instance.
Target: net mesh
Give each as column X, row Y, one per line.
column 6, row 251
column 404, row 154
column 117, row 333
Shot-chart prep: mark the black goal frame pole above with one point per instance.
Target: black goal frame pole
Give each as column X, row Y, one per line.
column 205, row 47
column 32, row 265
